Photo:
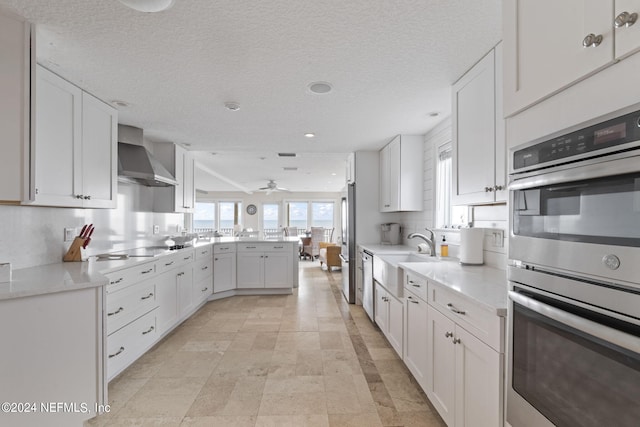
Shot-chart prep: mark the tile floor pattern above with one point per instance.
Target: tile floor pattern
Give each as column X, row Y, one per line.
column 307, row 359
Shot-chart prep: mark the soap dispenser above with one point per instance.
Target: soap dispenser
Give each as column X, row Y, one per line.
column 444, row 247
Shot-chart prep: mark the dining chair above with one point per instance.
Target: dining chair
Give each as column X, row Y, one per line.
column 317, row 236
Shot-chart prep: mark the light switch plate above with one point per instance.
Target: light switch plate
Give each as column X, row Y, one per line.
column 156, row 229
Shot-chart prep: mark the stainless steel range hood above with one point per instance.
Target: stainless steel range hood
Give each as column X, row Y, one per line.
column 136, row 164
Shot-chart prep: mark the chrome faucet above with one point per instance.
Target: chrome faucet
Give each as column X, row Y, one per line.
column 431, row 240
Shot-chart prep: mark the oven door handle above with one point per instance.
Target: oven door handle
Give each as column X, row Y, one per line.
column 589, row 327
column 589, row 171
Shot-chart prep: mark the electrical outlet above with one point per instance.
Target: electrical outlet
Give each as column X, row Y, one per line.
column 156, row 229
column 69, row 234
column 498, row 238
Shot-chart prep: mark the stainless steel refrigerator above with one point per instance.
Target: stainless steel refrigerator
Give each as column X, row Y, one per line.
column 348, row 252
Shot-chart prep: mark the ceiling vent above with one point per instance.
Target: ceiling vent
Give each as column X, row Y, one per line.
column 286, row 154
column 290, row 168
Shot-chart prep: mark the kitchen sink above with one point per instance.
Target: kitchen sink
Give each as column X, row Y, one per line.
column 386, row 272
column 394, row 259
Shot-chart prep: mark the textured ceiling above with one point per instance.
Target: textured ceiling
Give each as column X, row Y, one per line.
column 390, row 63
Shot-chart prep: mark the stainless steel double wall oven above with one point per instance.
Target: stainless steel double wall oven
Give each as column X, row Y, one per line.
column 574, row 276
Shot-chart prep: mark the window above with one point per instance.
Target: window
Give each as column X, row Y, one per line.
column 270, row 216
column 322, row 214
column 297, row 215
column 204, row 217
column 446, row 214
column 220, row 216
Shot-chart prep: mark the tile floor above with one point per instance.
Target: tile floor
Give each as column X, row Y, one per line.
column 307, row 359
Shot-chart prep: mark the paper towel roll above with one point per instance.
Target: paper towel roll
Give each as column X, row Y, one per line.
column 471, row 240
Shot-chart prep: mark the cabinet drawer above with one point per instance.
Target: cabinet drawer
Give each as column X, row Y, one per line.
column 224, row 248
column 202, row 269
column 130, row 342
column 251, row 247
column 485, row 325
column 277, row 247
column 123, row 278
column 203, row 252
column 202, row 289
column 129, row 304
column 416, row 285
column 166, row 263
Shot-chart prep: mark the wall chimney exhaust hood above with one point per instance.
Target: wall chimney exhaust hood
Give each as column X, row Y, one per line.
column 135, row 163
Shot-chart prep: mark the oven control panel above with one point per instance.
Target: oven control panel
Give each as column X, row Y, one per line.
column 610, row 133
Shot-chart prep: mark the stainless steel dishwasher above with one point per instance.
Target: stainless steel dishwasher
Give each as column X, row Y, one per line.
column 367, row 283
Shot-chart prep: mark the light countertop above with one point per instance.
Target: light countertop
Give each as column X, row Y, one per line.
column 484, row 285
column 69, row 276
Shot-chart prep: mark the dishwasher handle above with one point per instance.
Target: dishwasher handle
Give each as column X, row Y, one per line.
column 345, row 260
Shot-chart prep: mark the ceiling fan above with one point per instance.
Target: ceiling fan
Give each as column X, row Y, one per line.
column 272, row 186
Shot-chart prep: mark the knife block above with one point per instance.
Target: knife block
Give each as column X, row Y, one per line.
column 74, row 253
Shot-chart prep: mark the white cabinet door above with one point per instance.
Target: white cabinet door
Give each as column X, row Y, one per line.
column 14, row 105
column 224, row 272
column 184, row 279
column 627, row 39
column 57, row 149
column 479, row 378
column 167, row 292
column 396, row 324
column 380, row 307
column 188, row 173
column 393, row 175
column 278, row 269
column 250, row 270
column 415, row 343
column 474, row 134
column 442, row 365
column 99, row 153
column 385, row 179
column 544, row 50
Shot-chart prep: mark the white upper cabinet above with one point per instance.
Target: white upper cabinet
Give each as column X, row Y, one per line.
column 401, row 174
column 550, row 44
column 73, row 147
column 479, row 153
column 178, row 161
column 15, row 64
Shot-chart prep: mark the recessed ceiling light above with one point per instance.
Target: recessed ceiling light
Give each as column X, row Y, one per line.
column 333, row 174
column 232, row 106
column 310, row 135
column 320, row 88
column 148, row 5
column 120, row 104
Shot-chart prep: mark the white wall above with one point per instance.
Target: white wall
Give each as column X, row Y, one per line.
column 492, row 218
column 31, row 236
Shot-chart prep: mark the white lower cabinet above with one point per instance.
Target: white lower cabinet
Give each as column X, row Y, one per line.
column 130, row 342
column 465, row 375
column 264, row 265
column 389, row 315
column 224, row 271
column 202, row 280
column 174, row 296
column 416, row 346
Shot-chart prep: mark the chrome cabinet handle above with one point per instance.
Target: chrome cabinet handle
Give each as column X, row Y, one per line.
column 187, row 258
column 498, row 188
column 216, row 259
column 117, row 353
column 113, row 313
column 412, row 300
column 78, row 196
column 148, row 331
column 457, row 340
column 455, row 310
column 167, row 264
column 591, row 40
column 147, row 271
column 147, row 297
column 488, row 189
column 206, row 267
column 448, row 334
column 625, row 19
column 205, row 289
column 87, row 197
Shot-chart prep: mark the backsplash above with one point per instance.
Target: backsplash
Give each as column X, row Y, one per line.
column 493, row 218
column 31, row 236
